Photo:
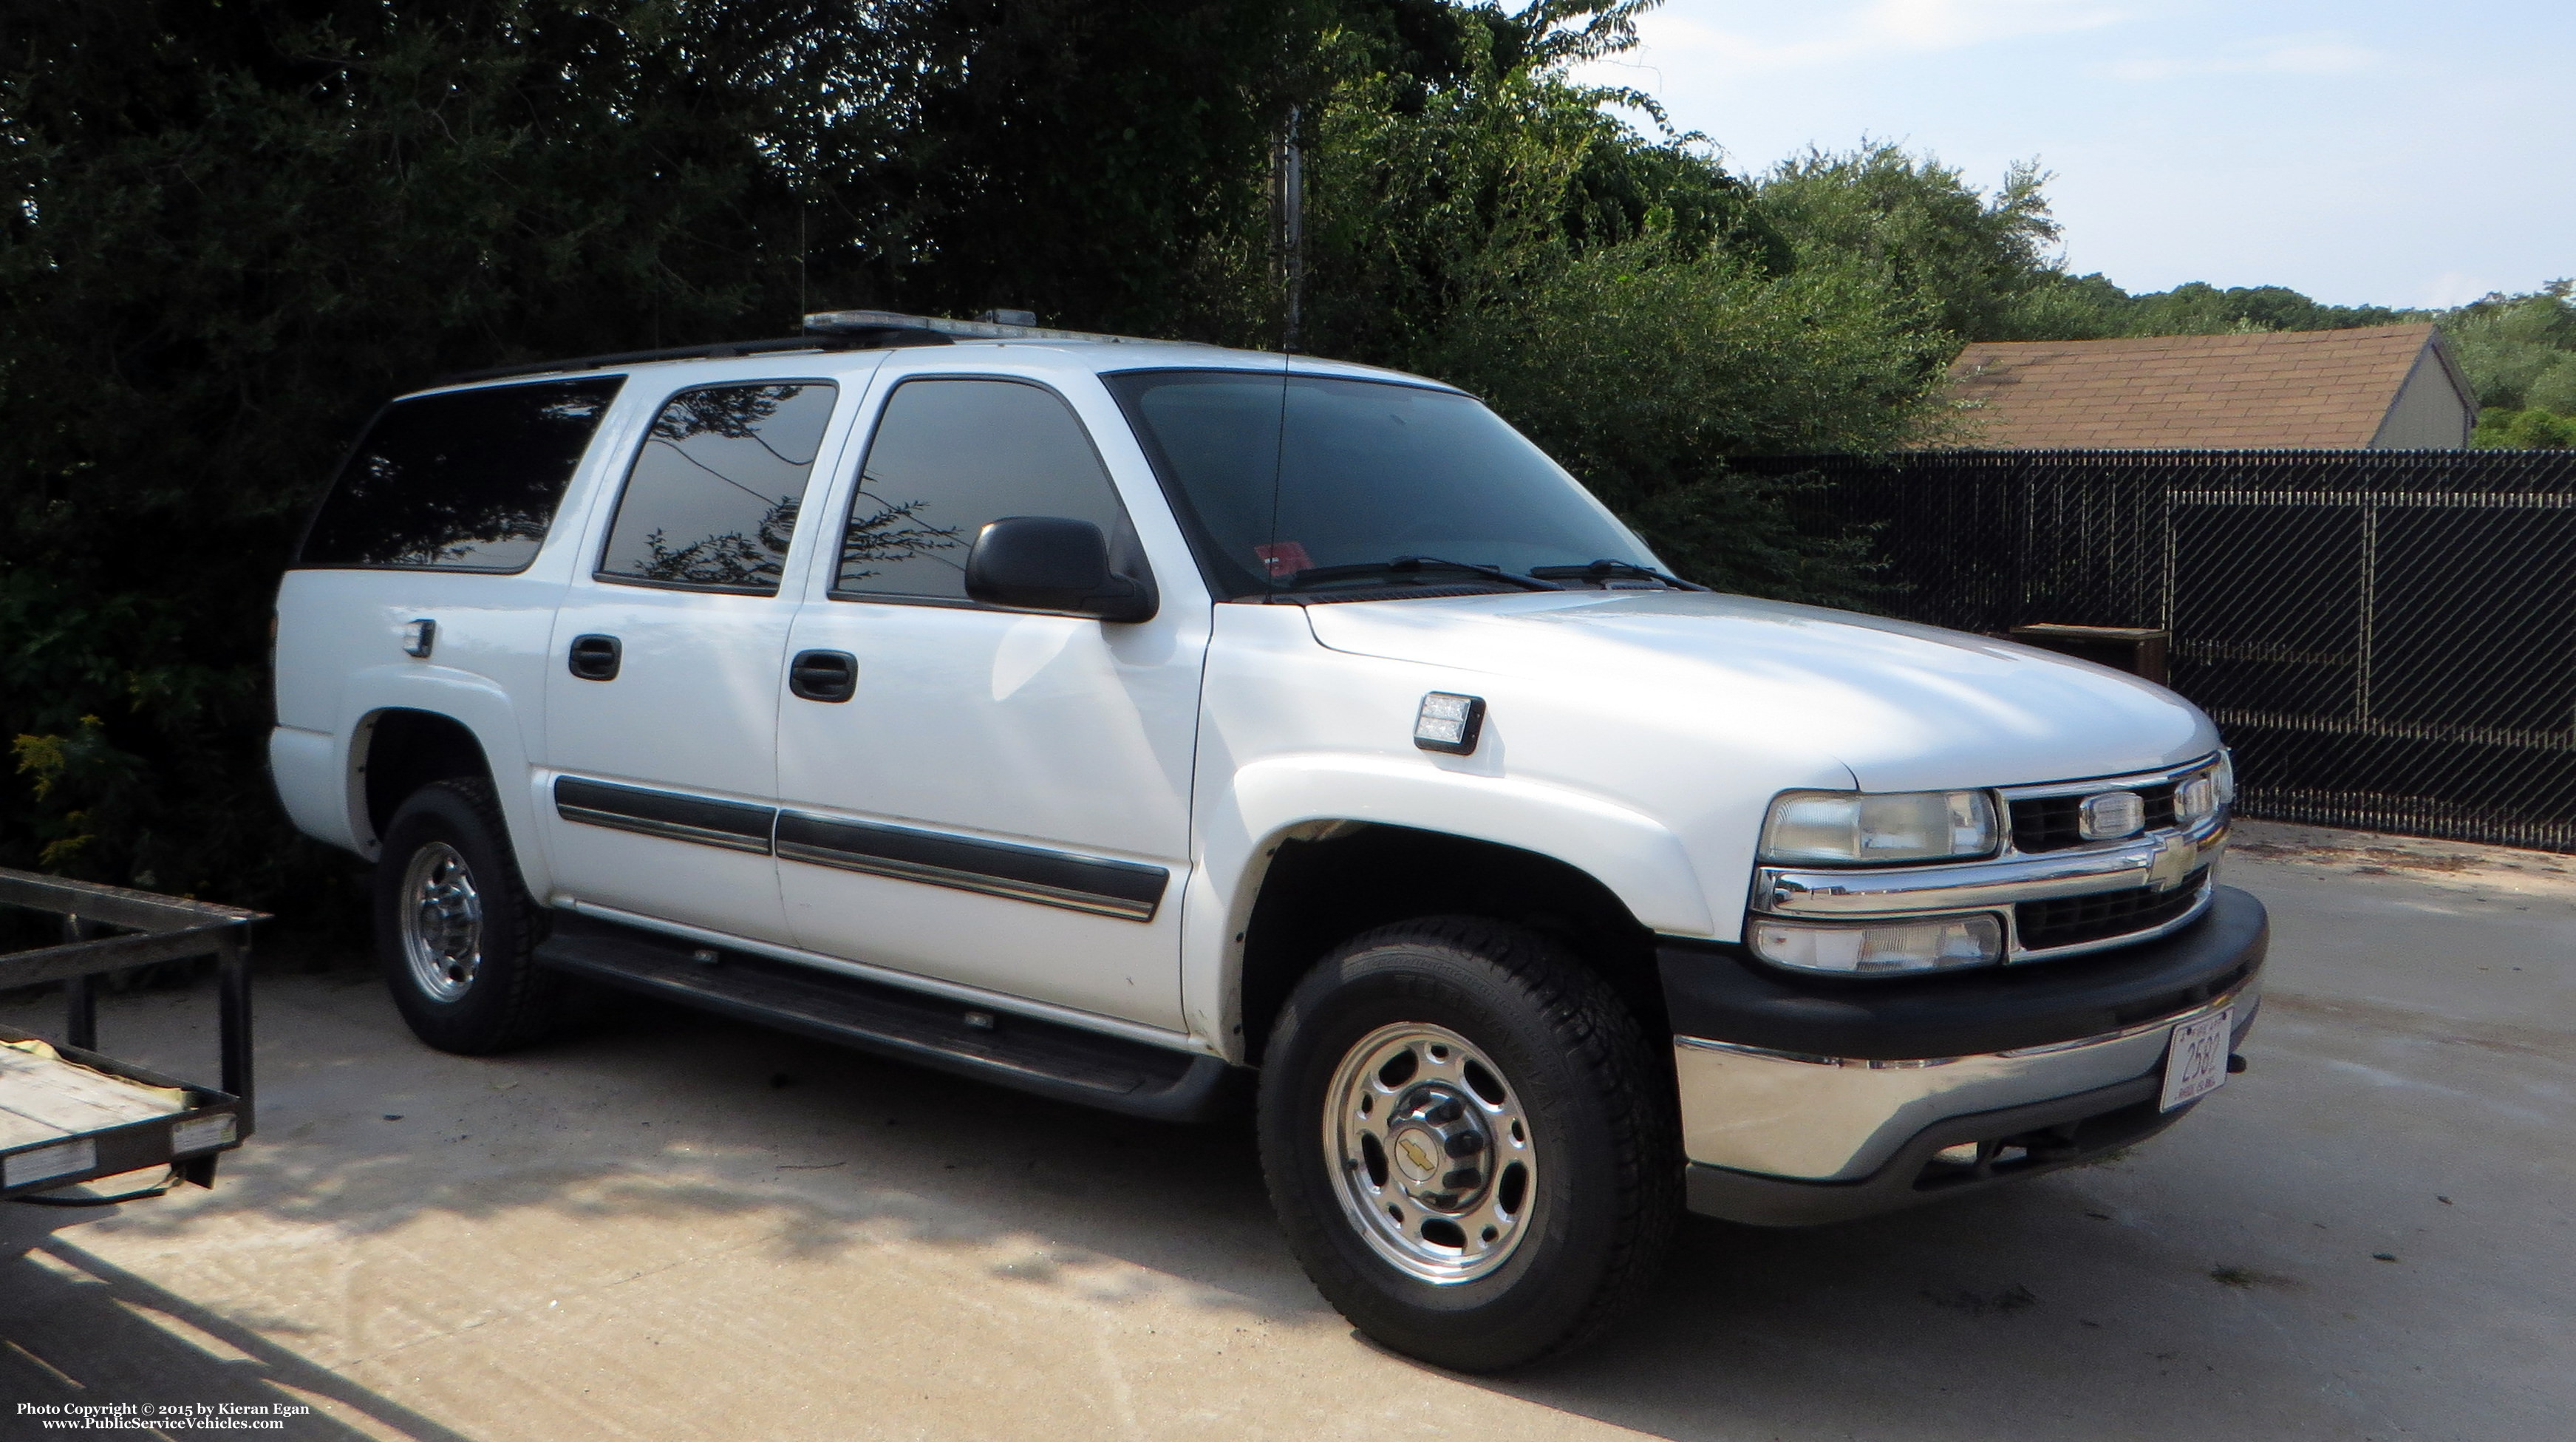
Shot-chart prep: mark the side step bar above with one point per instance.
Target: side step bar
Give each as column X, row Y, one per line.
column 1044, row 1057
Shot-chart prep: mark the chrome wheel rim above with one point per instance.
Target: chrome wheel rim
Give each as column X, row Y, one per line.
column 442, row 922
column 1431, row 1153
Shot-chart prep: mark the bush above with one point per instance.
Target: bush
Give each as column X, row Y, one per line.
column 2502, row 428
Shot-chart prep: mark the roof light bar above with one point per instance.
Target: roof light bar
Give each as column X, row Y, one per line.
column 887, row 323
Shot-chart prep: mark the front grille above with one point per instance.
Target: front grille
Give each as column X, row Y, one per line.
column 2053, row 823
column 2076, row 919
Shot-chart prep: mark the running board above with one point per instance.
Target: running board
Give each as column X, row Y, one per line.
column 1032, row 1055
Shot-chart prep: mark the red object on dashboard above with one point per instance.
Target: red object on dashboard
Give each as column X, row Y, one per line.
column 1284, row 559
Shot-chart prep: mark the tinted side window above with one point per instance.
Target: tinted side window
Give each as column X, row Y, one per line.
column 951, row 456
column 713, row 495
column 465, row 481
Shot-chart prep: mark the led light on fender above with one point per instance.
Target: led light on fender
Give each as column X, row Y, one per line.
column 1878, row 948
column 1449, row 722
column 1847, row 827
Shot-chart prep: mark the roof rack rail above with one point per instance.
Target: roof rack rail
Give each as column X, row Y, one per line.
column 824, row 330
column 712, row 350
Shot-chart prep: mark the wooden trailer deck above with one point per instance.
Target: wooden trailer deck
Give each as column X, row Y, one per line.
column 69, row 1114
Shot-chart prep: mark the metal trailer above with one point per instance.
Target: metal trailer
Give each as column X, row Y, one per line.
column 69, row 1115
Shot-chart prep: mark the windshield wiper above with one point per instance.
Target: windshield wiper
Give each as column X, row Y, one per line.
column 1603, row 570
column 1408, row 565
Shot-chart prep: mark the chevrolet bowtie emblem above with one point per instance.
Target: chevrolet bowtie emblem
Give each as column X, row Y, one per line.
column 2175, row 856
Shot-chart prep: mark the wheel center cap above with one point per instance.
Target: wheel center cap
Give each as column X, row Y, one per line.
column 1416, row 1153
column 1436, row 1150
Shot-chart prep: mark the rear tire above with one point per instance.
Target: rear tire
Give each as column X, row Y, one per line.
column 1467, row 1142
column 455, row 928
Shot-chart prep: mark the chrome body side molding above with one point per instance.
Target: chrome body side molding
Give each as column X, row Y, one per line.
column 1100, row 885
column 733, row 825
column 1128, row 890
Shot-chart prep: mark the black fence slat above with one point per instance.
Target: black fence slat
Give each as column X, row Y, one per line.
column 2387, row 638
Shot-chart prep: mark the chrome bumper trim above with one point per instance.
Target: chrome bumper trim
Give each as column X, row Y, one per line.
column 1819, row 1118
column 2164, row 861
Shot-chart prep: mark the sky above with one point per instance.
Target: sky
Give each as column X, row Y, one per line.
column 2363, row 152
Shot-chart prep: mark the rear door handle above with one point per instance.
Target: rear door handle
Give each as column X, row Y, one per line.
column 824, row 675
column 595, row 658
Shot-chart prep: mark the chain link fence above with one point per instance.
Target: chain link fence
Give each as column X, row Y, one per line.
column 2387, row 638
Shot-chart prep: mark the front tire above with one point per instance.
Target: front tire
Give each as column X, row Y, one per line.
column 455, row 928
column 1467, row 1142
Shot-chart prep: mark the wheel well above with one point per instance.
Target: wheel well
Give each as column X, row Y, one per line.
column 1318, row 894
column 407, row 750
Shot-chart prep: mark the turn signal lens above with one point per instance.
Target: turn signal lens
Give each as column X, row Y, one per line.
column 2195, row 798
column 2201, row 794
column 1850, row 827
column 1879, row 948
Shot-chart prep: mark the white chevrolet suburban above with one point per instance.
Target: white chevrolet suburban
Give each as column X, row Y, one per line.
column 1116, row 720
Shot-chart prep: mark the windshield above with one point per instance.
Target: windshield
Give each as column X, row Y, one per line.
column 1367, row 472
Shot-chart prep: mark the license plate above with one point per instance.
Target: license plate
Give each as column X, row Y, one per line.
column 2196, row 1060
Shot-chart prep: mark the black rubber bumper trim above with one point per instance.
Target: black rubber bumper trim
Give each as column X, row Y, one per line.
column 1716, row 991
column 2100, row 1121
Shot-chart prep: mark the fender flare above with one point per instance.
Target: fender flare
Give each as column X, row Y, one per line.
column 472, row 701
column 1634, row 857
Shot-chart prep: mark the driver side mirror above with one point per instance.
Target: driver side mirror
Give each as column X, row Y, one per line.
column 1057, row 564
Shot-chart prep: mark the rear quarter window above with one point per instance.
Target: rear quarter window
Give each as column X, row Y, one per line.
column 461, row 481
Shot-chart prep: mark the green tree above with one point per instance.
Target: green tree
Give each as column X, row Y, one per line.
column 1976, row 266
column 2197, row 308
column 1622, row 298
column 229, row 231
column 2519, row 350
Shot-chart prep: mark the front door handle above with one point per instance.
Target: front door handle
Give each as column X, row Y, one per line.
column 595, row 658
column 824, row 675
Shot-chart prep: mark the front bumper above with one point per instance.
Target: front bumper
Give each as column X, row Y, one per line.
column 1804, row 1101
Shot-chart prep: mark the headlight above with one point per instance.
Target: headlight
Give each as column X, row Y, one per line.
column 1849, row 827
column 2202, row 793
column 1876, row 948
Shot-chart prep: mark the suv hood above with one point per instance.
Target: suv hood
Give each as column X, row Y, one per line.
column 1902, row 706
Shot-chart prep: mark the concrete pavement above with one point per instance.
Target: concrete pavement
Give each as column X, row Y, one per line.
column 673, row 1227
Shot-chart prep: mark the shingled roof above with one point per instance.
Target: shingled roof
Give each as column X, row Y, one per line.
column 2328, row 389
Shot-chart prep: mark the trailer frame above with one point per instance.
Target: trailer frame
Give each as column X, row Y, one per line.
column 111, row 928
